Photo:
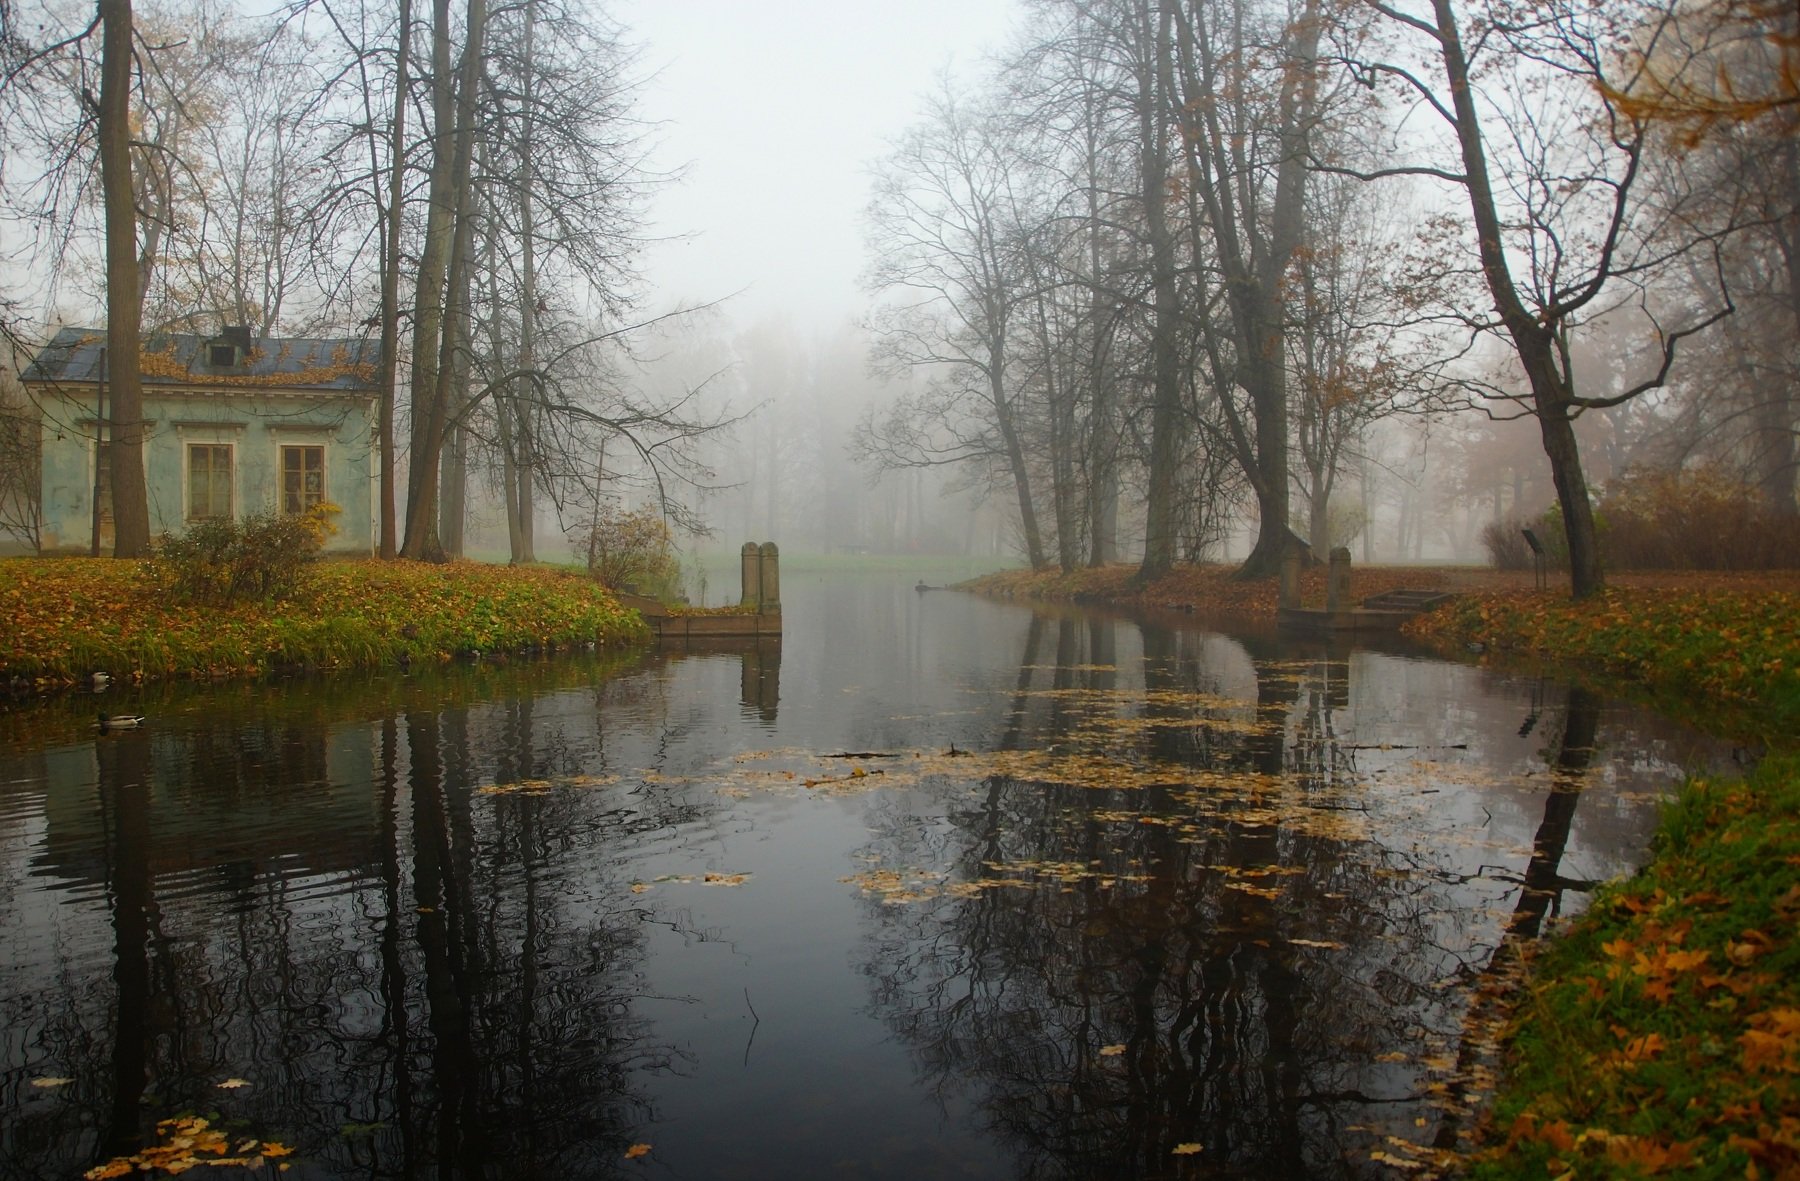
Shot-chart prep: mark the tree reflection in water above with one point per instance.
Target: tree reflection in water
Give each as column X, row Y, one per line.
column 1196, row 968
column 1150, row 888
column 319, row 910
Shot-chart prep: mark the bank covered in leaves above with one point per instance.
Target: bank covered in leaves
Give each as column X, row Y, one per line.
column 63, row 620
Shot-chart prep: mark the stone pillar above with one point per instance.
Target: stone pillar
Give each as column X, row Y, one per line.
column 1337, row 580
column 1290, row 576
column 770, row 580
column 750, row 573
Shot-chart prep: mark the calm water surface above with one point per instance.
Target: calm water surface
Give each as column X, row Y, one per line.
column 992, row 894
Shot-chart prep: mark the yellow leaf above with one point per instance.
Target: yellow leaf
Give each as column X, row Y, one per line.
column 637, row 1150
column 1112, row 1051
column 1187, row 1149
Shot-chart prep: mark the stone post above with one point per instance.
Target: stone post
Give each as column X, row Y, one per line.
column 750, row 573
column 1290, row 577
column 1337, row 580
column 770, row 580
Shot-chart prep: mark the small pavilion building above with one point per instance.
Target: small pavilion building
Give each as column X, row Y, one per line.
column 233, row 424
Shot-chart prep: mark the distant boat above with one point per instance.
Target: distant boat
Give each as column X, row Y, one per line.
column 121, row 721
column 924, row 586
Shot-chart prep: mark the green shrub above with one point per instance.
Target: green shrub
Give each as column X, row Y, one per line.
column 253, row 559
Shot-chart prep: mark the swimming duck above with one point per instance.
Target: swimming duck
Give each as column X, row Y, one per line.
column 121, row 721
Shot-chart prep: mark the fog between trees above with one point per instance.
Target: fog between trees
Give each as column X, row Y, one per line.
column 1160, row 281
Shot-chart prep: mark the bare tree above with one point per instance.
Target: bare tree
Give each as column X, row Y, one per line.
column 1559, row 230
column 946, row 233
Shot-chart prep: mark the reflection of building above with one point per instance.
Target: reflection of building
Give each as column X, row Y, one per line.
column 234, row 424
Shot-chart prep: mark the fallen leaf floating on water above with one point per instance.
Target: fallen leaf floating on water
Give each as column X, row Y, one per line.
column 1187, row 1149
column 637, row 1150
column 1112, row 1051
column 725, row 879
column 184, row 1143
column 49, row 1081
column 541, row 786
column 232, row 1084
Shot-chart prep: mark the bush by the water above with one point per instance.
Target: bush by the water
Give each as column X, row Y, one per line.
column 225, row 560
column 631, row 550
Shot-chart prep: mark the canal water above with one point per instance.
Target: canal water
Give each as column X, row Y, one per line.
column 936, row 887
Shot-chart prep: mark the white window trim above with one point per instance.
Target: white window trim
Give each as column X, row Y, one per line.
column 289, row 436
column 215, row 434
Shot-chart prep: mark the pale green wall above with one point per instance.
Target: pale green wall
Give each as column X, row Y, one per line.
column 256, row 424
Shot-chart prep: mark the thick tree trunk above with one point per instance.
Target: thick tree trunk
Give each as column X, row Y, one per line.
column 1165, row 359
column 453, row 359
column 390, row 288
column 427, row 425
column 1586, row 576
column 1015, row 458
column 522, row 533
column 1776, row 423
column 124, row 303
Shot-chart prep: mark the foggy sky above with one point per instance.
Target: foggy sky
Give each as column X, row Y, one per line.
column 777, row 109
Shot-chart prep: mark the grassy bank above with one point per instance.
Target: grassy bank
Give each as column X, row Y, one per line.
column 64, row 619
column 1730, row 654
column 1661, row 1035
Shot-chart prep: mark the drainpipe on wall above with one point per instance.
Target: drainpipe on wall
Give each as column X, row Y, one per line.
column 99, row 443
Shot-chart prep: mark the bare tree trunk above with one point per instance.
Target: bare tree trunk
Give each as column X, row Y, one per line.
column 1154, row 74
column 453, row 359
column 521, row 533
column 1775, row 418
column 1534, row 342
column 124, row 303
column 390, row 285
column 1015, row 454
column 421, row 541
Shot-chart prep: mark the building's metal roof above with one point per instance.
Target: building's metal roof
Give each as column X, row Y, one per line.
column 183, row 359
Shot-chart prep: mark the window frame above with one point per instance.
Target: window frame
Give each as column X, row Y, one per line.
column 307, row 500
column 189, row 511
